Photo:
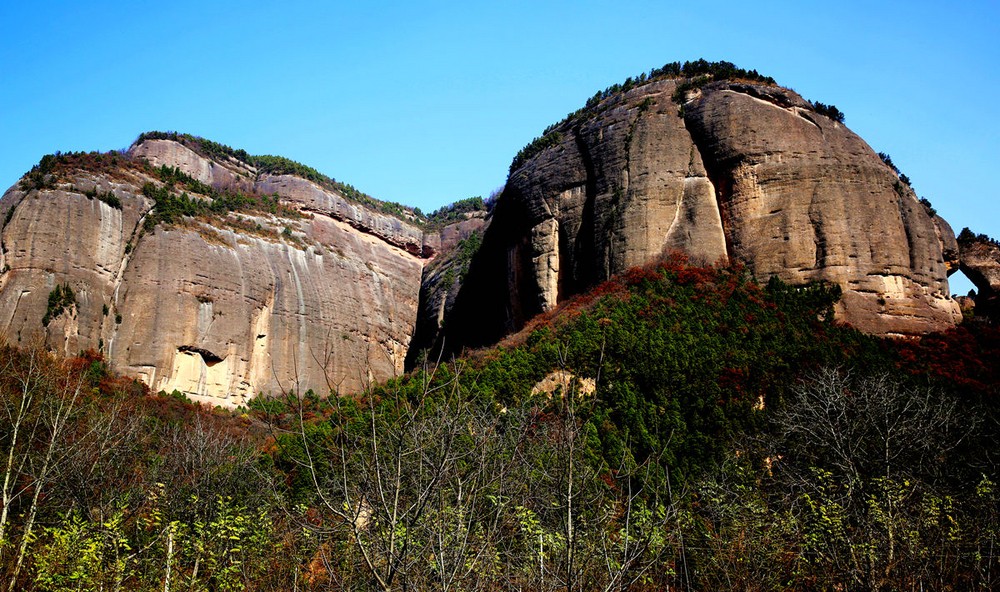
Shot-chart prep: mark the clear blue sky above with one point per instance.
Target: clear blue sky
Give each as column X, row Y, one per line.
column 426, row 102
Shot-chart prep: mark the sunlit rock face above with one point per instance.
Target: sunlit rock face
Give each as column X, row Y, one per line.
column 725, row 172
column 220, row 308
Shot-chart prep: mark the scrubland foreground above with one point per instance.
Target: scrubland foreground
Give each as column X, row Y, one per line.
column 676, row 428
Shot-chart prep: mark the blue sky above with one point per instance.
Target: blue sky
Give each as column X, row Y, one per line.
column 425, row 103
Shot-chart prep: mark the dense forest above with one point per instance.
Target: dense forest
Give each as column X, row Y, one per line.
column 677, row 428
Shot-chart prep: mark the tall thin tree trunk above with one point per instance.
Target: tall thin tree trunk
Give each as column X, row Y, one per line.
column 170, row 557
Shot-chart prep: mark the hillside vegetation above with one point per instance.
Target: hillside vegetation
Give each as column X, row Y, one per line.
column 280, row 165
column 697, row 431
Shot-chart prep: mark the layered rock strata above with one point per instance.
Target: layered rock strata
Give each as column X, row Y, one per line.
column 326, row 292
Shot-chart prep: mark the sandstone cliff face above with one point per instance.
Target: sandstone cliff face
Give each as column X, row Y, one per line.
column 738, row 172
column 58, row 236
column 326, row 291
column 230, row 173
column 211, row 311
column 220, row 308
column 804, row 198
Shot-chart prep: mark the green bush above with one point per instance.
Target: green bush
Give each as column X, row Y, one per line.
column 453, row 212
column 829, row 110
column 61, row 298
column 111, row 199
column 548, row 139
column 37, row 177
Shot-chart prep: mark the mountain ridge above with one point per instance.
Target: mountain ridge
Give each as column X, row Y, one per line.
column 204, row 269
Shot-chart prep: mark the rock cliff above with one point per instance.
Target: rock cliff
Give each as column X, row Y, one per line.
column 303, row 291
column 199, row 268
column 721, row 171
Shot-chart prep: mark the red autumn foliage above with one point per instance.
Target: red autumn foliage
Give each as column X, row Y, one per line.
column 965, row 356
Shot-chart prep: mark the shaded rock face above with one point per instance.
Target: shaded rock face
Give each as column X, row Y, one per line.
column 442, row 282
column 206, row 306
column 737, row 172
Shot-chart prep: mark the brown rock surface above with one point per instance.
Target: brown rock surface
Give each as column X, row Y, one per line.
column 739, row 171
column 232, row 173
column 211, row 311
column 312, row 197
column 337, row 291
column 804, row 198
column 441, row 283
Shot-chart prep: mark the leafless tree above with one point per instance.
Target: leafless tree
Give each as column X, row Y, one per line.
column 862, row 456
column 39, row 403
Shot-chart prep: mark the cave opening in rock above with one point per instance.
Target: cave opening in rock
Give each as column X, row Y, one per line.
column 208, row 357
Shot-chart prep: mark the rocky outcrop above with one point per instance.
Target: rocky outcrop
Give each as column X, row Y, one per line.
column 59, row 236
column 319, row 286
column 312, row 197
column 230, row 173
column 804, row 198
column 221, row 307
column 980, row 262
column 729, row 171
column 259, row 315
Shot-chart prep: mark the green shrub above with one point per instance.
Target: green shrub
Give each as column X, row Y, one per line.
column 452, row 212
column 888, row 161
column 828, row 110
column 549, row 138
column 967, row 236
column 61, row 298
column 111, row 199
column 37, row 177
